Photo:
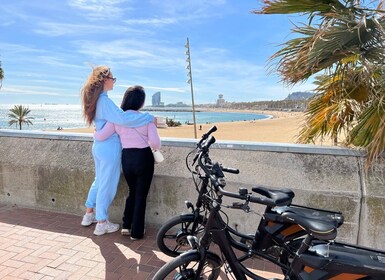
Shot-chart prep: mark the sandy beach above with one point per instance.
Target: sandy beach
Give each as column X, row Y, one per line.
column 283, row 127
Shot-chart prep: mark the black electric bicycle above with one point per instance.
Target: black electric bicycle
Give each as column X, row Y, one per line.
column 317, row 257
column 274, row 240
column 172, row 236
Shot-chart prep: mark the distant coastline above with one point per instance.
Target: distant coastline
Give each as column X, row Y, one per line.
column 170, row 109
column 282, row 127
column 68, row 116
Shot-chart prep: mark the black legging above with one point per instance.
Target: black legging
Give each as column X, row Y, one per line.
column 138, row 169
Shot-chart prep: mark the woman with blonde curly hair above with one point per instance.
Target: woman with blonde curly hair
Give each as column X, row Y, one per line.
column 98, row 108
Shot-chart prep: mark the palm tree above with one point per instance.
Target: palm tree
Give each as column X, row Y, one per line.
column 342, row 43
column 1, row 75
column 19, row 116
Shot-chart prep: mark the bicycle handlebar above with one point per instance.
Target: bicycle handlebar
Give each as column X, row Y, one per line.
column 206, row 135
column 199, row 144
column 278, row 199
column 214, row 172
column 210, row 140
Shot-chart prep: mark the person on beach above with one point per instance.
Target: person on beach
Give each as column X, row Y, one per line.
column 137, row 161
column 98, row 108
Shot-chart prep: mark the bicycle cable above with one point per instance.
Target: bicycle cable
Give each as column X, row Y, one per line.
column 186, row 160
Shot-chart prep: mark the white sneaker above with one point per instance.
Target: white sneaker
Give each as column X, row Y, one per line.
column 125, row 231
column 107, row 227
column 88, row 219
column 134, row 238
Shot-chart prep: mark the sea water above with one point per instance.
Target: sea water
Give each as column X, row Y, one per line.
column 53, row 116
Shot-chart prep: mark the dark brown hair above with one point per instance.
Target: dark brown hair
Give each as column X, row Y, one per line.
column 133, row 99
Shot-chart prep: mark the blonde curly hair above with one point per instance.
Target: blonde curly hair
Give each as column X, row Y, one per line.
column 91, row 91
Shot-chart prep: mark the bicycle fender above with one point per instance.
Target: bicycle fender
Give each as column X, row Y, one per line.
column 210, row 255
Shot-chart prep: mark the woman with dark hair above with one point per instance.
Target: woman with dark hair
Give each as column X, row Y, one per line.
column 137, row 161
column 98, row 108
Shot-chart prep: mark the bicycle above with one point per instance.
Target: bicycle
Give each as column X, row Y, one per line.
column 274, row 240
column 172, row 236
column 317, row 257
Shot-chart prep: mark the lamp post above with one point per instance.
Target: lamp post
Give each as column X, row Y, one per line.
column 189, row 81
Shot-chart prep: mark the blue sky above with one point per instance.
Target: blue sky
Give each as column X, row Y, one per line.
column 47, row 49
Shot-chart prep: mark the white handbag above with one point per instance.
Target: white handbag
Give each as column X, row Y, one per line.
column 158, row 157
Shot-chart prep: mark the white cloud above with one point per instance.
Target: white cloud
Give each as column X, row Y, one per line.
column 151, row 21
column 100, row 9
column 12, row 49
column 196, row 8
column 58, row 62
column 6, row 23
column 34, row 90
column 133, row 53
column 157, row 88
column 57, row 29
column 166, row 89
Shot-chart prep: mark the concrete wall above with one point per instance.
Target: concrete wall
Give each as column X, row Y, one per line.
column 53, row 171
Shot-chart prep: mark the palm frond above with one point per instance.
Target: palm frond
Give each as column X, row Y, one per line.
column 363, row 134
column 370, row 132
column 298, row 6
column 334, row 110
column 319, row 49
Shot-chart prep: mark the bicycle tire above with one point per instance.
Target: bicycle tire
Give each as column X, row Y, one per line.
column 183, row 267
column 172, row 236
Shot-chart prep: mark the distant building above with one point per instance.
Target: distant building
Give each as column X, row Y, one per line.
column 220, row 101
column 156, row 99
column 178, row 104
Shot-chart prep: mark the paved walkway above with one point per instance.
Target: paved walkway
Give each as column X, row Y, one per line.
column 37, row 244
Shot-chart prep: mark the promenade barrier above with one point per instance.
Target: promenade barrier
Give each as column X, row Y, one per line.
column 54, row 170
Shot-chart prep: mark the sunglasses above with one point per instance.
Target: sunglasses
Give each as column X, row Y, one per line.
column 111, row 78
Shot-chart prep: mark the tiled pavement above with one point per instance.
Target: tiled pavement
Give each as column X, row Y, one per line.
column 37, row 244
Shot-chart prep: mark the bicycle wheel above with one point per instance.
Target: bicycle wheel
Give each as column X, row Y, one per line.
column 184, row 267
column 172, row 236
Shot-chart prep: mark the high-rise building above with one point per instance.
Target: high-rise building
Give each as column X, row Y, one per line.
column 220, row 101
column 156, row 99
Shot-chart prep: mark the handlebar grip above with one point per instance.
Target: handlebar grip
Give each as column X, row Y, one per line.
column 230, row 170
column 211, row 140
column 207, row 134
column 211, row 130
column 263, row 200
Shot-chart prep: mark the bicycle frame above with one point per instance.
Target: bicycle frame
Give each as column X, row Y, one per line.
column 217, row 232
column 197, row 210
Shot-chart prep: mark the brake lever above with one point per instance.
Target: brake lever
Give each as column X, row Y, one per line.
column 244, row 206
column 195, row 158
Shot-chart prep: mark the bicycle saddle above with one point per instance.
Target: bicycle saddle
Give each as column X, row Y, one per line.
column 278, row 196
column 320, row 229
column 336, row 217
